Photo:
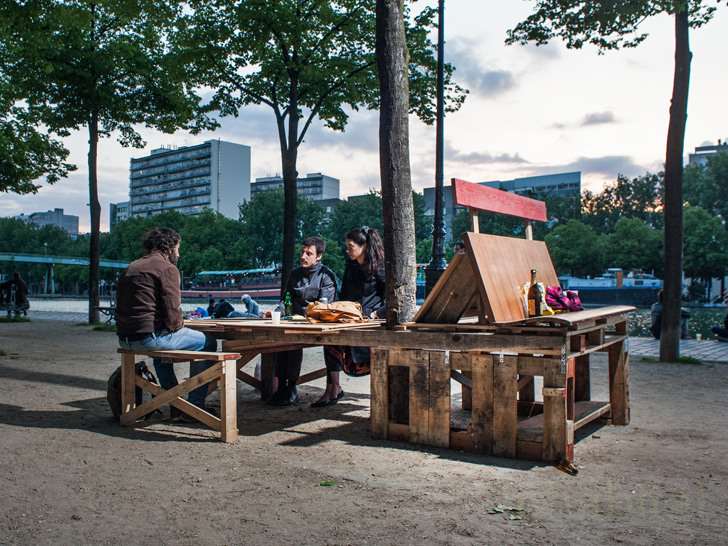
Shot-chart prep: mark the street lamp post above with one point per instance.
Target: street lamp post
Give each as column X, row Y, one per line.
column 437, row 264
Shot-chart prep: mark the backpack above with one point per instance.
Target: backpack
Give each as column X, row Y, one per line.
column 561, row 301
column 113, row 389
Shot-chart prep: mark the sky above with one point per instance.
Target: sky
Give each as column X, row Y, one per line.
column 530, row 111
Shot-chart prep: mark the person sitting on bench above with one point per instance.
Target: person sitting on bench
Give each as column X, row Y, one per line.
column 656, row 326
column 149, row 313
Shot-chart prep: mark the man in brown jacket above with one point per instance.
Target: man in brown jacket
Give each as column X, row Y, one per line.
column 149, row 312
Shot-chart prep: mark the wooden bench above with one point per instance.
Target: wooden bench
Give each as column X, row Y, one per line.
column 223, row 371
column 498, row 385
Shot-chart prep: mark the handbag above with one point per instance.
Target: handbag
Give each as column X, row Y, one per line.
column 338, row 311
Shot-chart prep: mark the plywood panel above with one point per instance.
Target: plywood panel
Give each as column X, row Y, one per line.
column 452, row 294
column 501, row 266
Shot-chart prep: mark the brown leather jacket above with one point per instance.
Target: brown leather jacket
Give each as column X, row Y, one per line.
column 147, row 297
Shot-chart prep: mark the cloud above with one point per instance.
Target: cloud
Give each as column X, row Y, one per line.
column 472, row 72
column 474, row 158
column 610, row 165
column 598, row 118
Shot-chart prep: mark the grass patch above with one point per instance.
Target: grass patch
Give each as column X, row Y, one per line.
column 14, row 319
column 3, row 353
column 690, row 360
column 99, row 326
column 648, row 359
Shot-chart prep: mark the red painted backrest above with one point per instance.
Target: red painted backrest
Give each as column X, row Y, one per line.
column 475, row 196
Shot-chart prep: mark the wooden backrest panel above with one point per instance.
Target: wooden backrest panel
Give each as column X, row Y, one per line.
column 475, row 196
column 501, row 265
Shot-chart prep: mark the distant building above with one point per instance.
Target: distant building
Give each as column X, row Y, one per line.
column 53, row 217
column 703, row 153
column 316, row 186
column 213, row 175
column 549, row 184
column 117, row 213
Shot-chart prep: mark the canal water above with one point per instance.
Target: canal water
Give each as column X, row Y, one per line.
column 702, row 318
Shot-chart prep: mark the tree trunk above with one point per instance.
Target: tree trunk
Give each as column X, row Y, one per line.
column 95, row 212
column 289, row 157
column 670, row 336
column 398, row 212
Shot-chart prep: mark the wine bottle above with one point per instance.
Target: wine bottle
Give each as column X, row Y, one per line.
column 534, row 297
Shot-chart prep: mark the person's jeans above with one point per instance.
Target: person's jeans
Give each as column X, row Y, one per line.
column 181, row 340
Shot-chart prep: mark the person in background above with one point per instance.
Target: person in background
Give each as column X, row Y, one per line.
column 311, row 281
column 459, row 248
column 223, row 309
column 211, row 307
column 656, row 325
column 17, row 294
column 363, row 283
column 253, row 309
column 149, row 313
column 722, row 333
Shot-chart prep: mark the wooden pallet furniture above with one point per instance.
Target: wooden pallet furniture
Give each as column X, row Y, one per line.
column 223, row 371
column 498, row 385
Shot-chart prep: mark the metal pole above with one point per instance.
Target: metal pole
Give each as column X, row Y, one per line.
column 437, row 264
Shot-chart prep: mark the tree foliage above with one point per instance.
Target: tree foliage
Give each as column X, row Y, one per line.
column 103, row 66
column 706, row 186
column 306, row 60
column 575, row 250
column 706, row 244
column 640, row 197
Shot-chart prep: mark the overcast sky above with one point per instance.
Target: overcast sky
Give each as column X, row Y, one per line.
column 531, row 110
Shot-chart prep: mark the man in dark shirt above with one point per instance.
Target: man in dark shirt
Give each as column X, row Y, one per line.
column 149, row 312
column 311, row 282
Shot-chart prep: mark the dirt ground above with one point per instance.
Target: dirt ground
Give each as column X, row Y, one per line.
column 69, row 474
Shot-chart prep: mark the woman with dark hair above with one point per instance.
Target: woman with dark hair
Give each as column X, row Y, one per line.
column 363, row 283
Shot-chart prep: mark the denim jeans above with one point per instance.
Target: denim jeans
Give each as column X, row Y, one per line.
column 181, row 340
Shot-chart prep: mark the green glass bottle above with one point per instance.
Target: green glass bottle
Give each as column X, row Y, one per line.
column 288, row 306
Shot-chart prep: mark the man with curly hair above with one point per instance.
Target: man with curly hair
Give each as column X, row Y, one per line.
column 149, row 313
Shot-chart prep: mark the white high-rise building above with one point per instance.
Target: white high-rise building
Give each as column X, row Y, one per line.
column 213, row 175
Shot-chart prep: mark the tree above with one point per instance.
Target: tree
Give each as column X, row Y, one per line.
column 610, row 25
column 102, row 66
column 575, row 250
column 640, row 198
column 706, row 186
column 26, row 154
column 634, row 245
column 303, row 59
column 262, row 219
column 706, row 245
column 394, row 165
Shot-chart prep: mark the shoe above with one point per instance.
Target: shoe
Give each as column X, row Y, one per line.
column 277, row 397
column 330, row 402
column 290, row 397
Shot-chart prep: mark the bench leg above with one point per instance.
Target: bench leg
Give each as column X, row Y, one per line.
column 128, row 388
column 228, row 402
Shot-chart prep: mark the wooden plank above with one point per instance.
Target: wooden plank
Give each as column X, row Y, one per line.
column 419, row 384
column 580, row 320
column 462, row 362
column 398, row 432
column 452, row 294
column 619, row 384
column 587, row 411
column 183, row 356
column 582, row 378
column 529, row 451
column 379, row 413
column 228, row 402
column 475, row 196
column 482, row 403
column 460, row 440
column 439, row 399
column 554, row 415
column 505, row 405
column 311, row 376
column 406, row 339
column 128, row 387
column 501, row 265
